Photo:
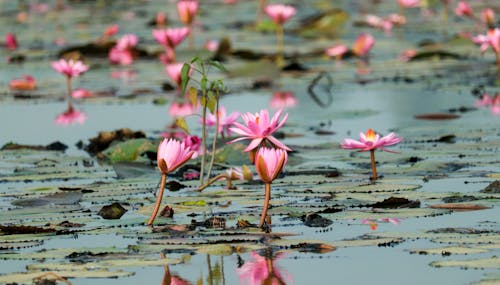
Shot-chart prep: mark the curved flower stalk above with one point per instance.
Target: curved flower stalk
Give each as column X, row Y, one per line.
column 187, row 10
column 233, row 173
column 280, row 14
column 259, row 129
column 171, row 155
column 269, row 162
column 170, row 38
column 370, row 141
column 70, row 69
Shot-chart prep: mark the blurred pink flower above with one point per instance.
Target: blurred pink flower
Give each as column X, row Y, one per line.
column 193, row 143
column 71, row 116
column 160, row 19
column 394, row 221
column 11, row 41
column 491, row 39
column 172, row 154
column 81, row 93
column 174, row 72
column 409, row 3
column 27, row 82
column 187, row 10
column 170, row 37
column 371, row 141
column 70, row 68
column 181, row 109
column 122, row 53
column 485, row 100
column 225, row 121
column 488, row 16
column 258, row 128
column 127, row 41
column 363, row 44
column 283, row 100
column 408, row 54
column 337, row 51
column 495, row 104
column 212, row 45
column 396, row 19
column 377, row 22
column 280, row 13
column 463, row 9
column 257, row 272
column 111, row 30
column 239, row 173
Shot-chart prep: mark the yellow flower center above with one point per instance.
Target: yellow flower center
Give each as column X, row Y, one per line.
column 370, row 135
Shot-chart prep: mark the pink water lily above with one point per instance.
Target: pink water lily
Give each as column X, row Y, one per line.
column 337, row 51
column 174, row 72
column 170, row 37
column 181, row 109
column 193, row 143
column 283, row 100
column 225, row 121
column 81, row 93
column 71, row 116
column 27, row 82
column 187, row 10
column 280, row 13
column 269, row 162
column 409, row 3
column 463, row 9
column 123, row 52
column 370, row 141
column 171, row 155
column 488, row 16
column 363, row 44
column 111, row 30
column 70, row 68
column 11, row 41
column 259, row 129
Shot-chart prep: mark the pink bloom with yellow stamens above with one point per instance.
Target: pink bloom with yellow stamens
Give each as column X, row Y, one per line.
column 371, row 141
column 258, row 128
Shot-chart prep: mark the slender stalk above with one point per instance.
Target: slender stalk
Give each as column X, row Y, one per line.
column 68, row 95
column 210, row 275
column 266, row 205
column 260, row 11
column 229, row 183
column 222, row 270
column 214, row 142
column 280, row 39
column 167, row 277
column 158, row 199
column 191, row 37
column 211, row 181
column 203, row 143
column 374, row 167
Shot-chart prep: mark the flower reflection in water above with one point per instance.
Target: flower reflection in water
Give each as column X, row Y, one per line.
column 171, row 279
column 373, row 223
column 263, row 269
column 70, row 117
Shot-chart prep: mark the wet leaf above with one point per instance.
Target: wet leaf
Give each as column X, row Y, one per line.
column 112, row 212
column 181, row 123
column 129, row 150
column 480, row 263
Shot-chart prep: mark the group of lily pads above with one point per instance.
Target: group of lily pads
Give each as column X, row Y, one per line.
column 70, row 216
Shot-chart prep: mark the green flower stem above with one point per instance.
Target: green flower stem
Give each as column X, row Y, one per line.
column 280, row 40
column 158, row 199
column 214, row 142
column 374, row 167
column 266, row 205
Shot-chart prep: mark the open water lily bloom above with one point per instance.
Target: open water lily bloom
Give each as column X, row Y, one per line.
column 258, row 128
column 70, row 68
column 225, row 120
column 370, row 141
column 170, row 37
column 280, row 13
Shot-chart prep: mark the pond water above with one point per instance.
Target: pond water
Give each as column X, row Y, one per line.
column 441, row 161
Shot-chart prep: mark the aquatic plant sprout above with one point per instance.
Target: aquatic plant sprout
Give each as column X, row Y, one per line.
column 171, row 155
column 259, row 129
column 269, row 162
column 370, row 141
